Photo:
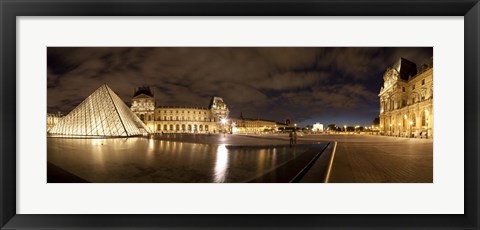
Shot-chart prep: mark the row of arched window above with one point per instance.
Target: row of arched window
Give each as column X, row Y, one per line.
column 182, row 118
column 183, row 127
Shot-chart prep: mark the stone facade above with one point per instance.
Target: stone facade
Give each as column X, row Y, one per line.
column 180, row 119
column 258, row 126
column 183, row 119
column 406, row 100
column 53, row 119
column 317, row 127
column 143, row 103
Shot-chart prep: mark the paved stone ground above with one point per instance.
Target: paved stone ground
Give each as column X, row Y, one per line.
column 379, row 159
column 358, row 158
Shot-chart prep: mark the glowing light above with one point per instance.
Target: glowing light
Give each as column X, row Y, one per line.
column 102, row 113
column 224, row 121
column 221, row 164
column 97, row 142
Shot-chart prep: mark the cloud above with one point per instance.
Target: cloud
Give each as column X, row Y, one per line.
column 273, row 83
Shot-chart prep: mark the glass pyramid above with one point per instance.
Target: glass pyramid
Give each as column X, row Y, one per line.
column 101, row 114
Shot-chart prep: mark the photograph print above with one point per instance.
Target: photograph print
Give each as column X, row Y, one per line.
column 240, row 115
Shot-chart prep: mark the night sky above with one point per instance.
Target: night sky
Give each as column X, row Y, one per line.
column 307, row 85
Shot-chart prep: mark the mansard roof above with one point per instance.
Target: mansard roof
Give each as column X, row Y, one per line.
column 405, row 68
column 143, row 90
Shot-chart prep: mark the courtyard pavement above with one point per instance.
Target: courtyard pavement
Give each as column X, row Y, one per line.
column 380, row 159
column 358, row 158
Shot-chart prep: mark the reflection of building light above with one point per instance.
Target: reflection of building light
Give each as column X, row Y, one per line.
column 151, row 144
column 221, row 164
column 97, row 142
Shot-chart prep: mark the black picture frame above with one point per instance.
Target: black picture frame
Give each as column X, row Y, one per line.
column 10, row 9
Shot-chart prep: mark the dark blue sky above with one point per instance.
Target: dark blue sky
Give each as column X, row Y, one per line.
column 304, row 84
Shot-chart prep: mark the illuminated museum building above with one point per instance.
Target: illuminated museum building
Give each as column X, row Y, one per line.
column 406, row 100
column 251, row 125
column 317, row 127
column 52, row 119
column 102, row 114
column 180, row 119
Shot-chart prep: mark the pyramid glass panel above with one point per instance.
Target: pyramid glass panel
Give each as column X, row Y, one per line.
column 102, row 114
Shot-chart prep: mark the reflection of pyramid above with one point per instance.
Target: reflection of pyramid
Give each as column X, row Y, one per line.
column 103, row 113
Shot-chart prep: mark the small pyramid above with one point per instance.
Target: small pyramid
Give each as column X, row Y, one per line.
column 102, row 114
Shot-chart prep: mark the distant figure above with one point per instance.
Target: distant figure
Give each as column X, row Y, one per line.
column 421, row 135
column 291, row 138
column 295, row 138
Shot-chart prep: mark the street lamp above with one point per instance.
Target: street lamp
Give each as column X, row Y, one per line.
column 426, row 114
column 426, row 136
column 345, row 128
column 223, row 121
column 399, row 129
column 411, row 124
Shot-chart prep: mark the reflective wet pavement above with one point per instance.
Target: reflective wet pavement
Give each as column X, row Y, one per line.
column 137, row 160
